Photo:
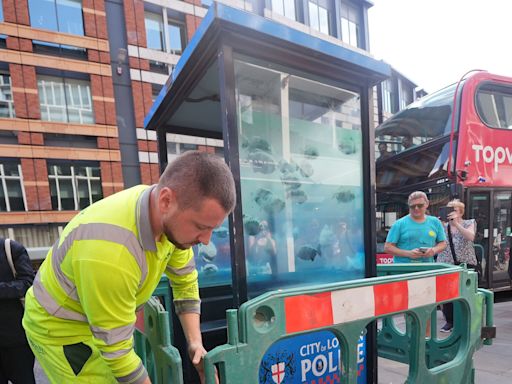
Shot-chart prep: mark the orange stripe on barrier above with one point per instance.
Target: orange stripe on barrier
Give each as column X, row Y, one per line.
column 447, row 286
column 307, row 312
column 391, row 297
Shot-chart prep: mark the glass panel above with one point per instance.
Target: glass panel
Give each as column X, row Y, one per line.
column 83, row 193
column 15, row 195
column 323, row 17
column 213, row 261
column 53, row 193
column 3, row 205
column 1, row 12
column 43, row 14
column 494, row 105
column 154, row 30
column 277, row 6
column 289, row 9
column 70, row 19
column 302, row 214
column 422, row 121
column 479, row 210
column 66, row 194
column 6, row 101
column 96, row 191
column 175, row 38
column 313, row 16
column 428, row 163
column 11, row 169
column 501, row 234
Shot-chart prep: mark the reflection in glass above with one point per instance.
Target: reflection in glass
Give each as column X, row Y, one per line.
column 300, row 167
column 213, row 261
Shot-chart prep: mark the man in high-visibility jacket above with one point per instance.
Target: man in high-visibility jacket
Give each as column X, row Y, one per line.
column 80, row 313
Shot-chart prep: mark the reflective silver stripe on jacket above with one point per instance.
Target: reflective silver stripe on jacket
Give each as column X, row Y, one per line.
column 50, row 305
column 96, row 231
column 189, row 268
column 115, row 335
column 139, row 373
column 90, row 231
column 113, row 355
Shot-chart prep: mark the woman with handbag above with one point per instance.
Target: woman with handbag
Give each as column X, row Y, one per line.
column 16, row 276
column 460, row 234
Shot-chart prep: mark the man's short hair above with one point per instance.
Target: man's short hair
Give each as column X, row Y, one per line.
column 417, row 195
column 197, row 175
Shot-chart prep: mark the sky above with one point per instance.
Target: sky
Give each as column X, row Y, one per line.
column 434, row 42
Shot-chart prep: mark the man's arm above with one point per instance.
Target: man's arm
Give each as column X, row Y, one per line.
column 392, row 249
column 17, row 287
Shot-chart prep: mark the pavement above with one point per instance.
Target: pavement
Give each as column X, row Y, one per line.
column 493, row 363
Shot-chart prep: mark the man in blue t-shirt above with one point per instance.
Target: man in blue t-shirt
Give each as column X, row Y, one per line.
column 417, row 237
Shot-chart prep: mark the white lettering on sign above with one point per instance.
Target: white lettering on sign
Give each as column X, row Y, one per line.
column 320, row 364
column 498, row 155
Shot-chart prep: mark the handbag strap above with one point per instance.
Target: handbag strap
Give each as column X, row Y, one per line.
column 8, row 253
column 452, row 247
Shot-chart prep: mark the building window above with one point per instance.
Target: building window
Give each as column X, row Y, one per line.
column 285, row 8
column 6, row 102
column 319, row 16
column 164, row 34
column 65, row 100
column 57, row 15
column 74, row 187
column 350, row 32
column 154, row 31
column 386, row 96
column 12, row 194
column 1, row 11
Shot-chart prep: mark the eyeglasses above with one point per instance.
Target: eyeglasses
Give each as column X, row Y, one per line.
column 414, row 206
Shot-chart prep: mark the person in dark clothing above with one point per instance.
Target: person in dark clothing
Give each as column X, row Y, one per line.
column 16, row 357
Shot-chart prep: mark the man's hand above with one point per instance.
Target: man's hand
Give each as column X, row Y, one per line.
column 196, row 353
column 429, row 252
column 416, row 254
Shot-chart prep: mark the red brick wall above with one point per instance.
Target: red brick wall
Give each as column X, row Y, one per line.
column 37, row 187
column 142, row 101
column 26, row 104
column 135, row 27
column 95, row 22
column 16, row 11
column 192, row 22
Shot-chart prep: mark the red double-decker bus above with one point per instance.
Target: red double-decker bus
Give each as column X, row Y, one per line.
column 456, row 142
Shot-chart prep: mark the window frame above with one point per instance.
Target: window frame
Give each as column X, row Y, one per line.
column 347, row 10
column 3, row 182
column 69, row 105
column 54, row 178
column 165, row 21
column 57, row 20
column 10, row 103
column 325, row 5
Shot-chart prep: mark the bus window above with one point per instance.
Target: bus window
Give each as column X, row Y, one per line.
column 494, row 105
column 421, row 122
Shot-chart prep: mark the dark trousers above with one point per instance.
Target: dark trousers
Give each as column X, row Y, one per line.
column 448, row 312
column 17, row 365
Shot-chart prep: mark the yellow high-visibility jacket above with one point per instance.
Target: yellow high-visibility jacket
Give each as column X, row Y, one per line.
column 105, row 266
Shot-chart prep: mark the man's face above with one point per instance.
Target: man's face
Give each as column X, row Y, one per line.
column 418, row 208
column 194, row 225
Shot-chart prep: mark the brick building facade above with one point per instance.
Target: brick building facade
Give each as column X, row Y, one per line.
column 77, row 79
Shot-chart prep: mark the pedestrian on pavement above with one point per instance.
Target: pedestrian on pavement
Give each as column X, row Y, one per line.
column 80, row 313
column 416, row 237
column 16, row 276
column 460, row 234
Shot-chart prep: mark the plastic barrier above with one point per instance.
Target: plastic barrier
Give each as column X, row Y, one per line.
column 153, row 345
column 328, row 322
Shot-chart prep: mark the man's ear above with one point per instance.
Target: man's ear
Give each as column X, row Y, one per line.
column 167, row 200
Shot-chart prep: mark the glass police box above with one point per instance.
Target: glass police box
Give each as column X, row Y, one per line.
column 293, row 111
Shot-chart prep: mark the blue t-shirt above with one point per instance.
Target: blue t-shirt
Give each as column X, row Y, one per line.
column 408, row 234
